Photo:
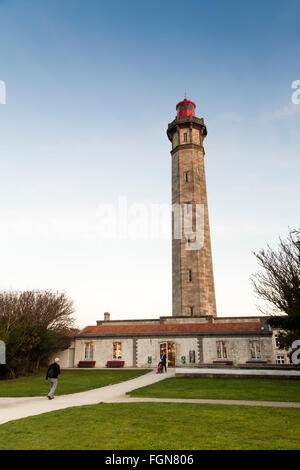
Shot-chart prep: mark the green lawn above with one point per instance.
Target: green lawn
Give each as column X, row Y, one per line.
column 157, row 426
column 223, row 389
column 70, row 381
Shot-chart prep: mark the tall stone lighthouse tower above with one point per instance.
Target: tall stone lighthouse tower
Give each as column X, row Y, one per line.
column 193, row 291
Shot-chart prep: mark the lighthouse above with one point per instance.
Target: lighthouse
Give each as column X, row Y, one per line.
column 193, row 290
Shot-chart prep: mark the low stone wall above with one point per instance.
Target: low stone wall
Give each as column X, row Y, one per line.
column 236, row 372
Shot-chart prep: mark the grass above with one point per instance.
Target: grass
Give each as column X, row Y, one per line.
column 223, row 389
column 70, row 381
column 155, row 426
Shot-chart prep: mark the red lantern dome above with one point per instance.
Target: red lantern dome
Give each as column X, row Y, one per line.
column 185, row 108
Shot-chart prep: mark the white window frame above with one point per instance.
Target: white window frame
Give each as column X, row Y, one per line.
column 255, row 344
column 89, row 351
column 117, row 352
column 223, row 350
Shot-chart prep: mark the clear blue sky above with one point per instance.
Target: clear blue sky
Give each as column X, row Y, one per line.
column 91, row 87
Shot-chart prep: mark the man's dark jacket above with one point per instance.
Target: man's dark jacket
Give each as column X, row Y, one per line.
column 53, row 371
column 164, row 359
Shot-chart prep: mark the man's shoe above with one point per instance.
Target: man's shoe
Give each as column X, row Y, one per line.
column 49, row 398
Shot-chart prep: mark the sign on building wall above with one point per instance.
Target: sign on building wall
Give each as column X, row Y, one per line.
column 295, row 357
column 2, row 352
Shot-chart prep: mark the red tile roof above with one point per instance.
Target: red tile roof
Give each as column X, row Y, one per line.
column 170, row 328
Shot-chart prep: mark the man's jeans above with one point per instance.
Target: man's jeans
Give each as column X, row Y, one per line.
column 53, row 385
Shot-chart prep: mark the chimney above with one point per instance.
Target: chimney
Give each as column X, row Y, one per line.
column 106, row 316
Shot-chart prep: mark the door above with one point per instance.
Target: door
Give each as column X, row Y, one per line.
column 71, row 357
column 171, row 354
column 169, row 349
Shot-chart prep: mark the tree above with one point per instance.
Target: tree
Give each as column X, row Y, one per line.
column 34, row 325
column 278, row 283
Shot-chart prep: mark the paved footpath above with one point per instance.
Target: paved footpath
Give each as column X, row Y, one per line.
column 16, row 408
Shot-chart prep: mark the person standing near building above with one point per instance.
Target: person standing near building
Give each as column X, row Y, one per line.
column 164, row 361
column 52, row 374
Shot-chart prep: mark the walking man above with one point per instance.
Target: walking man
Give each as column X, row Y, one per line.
column 52, row 374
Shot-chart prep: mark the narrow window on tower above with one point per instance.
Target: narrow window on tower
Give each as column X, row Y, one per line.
column 190, row 275
column 186, row 177
column 191, row 311
column 185, row 137
column 188, row 208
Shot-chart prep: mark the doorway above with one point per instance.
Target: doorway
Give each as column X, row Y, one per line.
column 71, row 357
column 169, row 348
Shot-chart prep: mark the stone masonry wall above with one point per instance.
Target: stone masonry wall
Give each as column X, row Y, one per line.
column 151, row 347
column 238, row 348
column 103, row 350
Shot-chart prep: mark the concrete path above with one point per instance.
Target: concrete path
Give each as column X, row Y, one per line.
column 16, row 408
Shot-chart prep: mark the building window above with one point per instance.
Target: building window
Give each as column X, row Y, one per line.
column 221, row 350
column 255, row 351
column 117, row 350
column 192, row 357
column 189, row 275
column 188, row 241
column 89, row 351
column 185, row 137
column 188, row 208
column 280, row 360
column 186, row 176
column 190, row 311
